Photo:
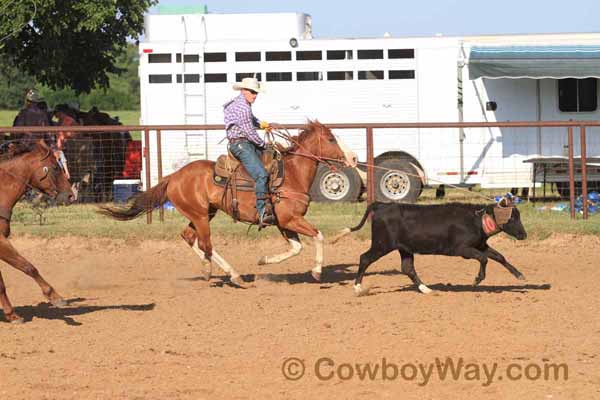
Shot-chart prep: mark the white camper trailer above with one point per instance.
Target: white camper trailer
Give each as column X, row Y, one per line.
column 189, row 62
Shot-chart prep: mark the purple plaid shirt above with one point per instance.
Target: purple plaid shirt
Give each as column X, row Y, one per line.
column 240, row 122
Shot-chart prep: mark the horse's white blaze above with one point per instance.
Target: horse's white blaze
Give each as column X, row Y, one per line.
column 349, row 155
column 424, row 289
column 295, row 249
column 319, row 256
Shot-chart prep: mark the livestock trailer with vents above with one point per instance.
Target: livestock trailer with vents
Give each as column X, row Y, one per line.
column 189, row 62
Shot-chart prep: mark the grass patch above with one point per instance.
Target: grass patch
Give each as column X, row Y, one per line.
column 82, row 220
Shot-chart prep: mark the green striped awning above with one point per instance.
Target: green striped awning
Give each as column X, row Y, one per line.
column 536, row 62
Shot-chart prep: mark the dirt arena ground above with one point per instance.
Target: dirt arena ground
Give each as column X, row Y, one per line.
column 141, row 324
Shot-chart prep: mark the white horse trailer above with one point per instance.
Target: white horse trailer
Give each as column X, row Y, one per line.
column 188, row 64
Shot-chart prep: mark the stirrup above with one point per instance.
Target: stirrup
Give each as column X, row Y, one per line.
column 267, row 218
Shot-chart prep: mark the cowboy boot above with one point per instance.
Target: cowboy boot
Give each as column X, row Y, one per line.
column 266, row 216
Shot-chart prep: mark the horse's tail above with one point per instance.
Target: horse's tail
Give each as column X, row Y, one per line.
column 141, row 203
column 346, row 231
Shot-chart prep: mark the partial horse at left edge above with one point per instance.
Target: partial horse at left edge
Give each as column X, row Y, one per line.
column 24, row 166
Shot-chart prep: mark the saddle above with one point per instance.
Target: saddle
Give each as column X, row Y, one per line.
column 231, row 174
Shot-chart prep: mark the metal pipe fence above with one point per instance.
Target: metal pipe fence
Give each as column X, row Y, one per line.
column 96, row 136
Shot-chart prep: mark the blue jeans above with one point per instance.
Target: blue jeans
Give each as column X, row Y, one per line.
column 249, row 155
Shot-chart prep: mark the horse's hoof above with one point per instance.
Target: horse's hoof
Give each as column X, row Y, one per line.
column 521, row 277
column 424, row 289
column 15, row 319
column 360, row 290
column 262, row 260
column 316, row 276
column 477, row 281
column 60, row 302
column 239, row 282
column 206, row 275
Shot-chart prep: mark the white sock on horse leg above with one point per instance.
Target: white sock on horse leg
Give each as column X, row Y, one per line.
column 225, row 266
column 319, row 239
column 295, row 249
column 196, row 248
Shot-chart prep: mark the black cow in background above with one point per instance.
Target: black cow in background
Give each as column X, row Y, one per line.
column 454, row 229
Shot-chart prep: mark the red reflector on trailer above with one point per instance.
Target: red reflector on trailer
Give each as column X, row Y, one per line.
column 147, row 50
column 454, row 173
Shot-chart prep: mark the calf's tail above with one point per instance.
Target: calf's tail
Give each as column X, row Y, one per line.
column 347, row 231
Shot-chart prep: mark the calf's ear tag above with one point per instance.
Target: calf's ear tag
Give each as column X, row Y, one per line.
column 489, row 225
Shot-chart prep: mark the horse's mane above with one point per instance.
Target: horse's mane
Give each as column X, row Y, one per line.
column 304, row 133
column 18, row 148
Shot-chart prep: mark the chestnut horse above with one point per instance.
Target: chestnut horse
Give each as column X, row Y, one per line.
column 27, row 166
column 193, row 193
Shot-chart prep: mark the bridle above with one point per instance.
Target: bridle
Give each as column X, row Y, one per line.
column 46, row 172
column 305, row 152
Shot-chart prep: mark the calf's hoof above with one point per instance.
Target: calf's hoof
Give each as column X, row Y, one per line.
column 360, row 290
column 424, row 289
column 262, row 260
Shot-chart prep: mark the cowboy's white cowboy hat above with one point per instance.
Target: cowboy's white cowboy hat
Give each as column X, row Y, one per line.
column 248, row 83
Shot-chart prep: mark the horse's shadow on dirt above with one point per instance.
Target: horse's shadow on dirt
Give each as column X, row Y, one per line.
column 344, row 274
column 47, row 311
column 448, row 287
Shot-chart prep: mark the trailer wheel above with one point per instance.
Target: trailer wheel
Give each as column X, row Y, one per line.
column 341, row 185
column 396, row 180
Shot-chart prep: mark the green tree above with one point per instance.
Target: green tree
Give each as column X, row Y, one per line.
column 67, row 43
column 123, row 92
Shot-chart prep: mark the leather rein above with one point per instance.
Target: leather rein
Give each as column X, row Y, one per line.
column 306, row 153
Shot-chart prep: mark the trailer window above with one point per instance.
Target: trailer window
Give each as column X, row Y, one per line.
column 189, row 78
column 309, row 55
column 362, row 75
column 309, row 76
column 401, row 53
column 401, row 74
column 279, row 76
column 159, row 58
column 215, row 57
column 211, row 78
column 339, row 54
column 160, row 78
column 370, row 54
column 241, row 75
column 187, row 58
column 340, row 75
column 577, row 95
column 278, row 56
column 247, row 56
